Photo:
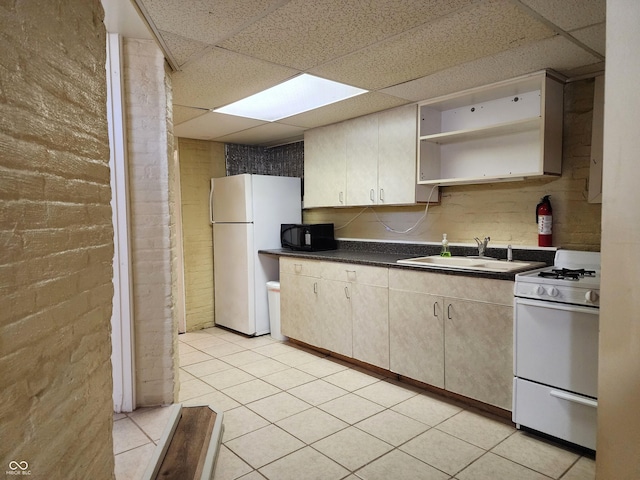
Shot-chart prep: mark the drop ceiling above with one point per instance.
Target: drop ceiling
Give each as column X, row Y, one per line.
column 402, row 51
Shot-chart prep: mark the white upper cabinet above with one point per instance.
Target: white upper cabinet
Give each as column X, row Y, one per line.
column 378, row 152
column 396, row 145
column 510, row 130
column 362, row 160
column 325, row 167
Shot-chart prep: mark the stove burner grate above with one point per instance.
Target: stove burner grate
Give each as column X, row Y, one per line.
column 567, row 273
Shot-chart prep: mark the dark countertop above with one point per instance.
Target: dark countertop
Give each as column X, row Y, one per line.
column 387, row 254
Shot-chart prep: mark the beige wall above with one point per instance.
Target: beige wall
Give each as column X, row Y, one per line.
column 56, row 241
column 149, row 147
column 199, row 161
column 503, row 211
column 619, row 372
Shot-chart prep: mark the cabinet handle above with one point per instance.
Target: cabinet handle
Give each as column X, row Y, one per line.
column 351, row 275
column 346, row 292
column 382, row 194
column 372, row 195
column 435, row 304
column 341, row 197
column 297, row 267
column 449, row 311
column 315, row 287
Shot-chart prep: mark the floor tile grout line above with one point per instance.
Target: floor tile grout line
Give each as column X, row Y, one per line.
column 133, row 448
column 142, row 429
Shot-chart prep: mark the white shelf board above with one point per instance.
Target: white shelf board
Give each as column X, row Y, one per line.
column 506, row 128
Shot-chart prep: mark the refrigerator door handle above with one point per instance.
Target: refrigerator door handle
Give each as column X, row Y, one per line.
column 211, row 204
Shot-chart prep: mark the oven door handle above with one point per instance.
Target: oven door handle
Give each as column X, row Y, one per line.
column 556, row 306
column 574, row 398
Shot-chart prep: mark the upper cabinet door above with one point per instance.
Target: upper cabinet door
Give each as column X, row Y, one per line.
column 367, row 161
column 397, row 156
column 362, row 160
column 325, row 167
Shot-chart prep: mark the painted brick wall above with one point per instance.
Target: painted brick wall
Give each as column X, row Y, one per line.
column 503, row 211
column 199, row 161
column 56, row 241
column 149, row 143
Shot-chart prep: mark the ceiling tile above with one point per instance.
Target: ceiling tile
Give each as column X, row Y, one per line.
column 303, row 34
column 220, row 77
column 181, row 48
column 555, row 53
column 207, row 21
column 570, row 14
column 182, row 114
column 350, row 108
column 268, row 134
column 593, row 37
column 585, row 70
column 213, row 125
column 484, row 30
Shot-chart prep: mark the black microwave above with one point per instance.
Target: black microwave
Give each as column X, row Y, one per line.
column 308, row 237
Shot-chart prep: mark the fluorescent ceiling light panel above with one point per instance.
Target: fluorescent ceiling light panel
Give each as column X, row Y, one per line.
column 300, row 94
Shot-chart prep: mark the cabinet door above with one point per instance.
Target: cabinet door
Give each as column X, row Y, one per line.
column 370, row 317
column 416, row 336
column 479, row 351
column 397, row 155
column 299, row 303
column 334, row 317
column 362, row 160
column 325, row 167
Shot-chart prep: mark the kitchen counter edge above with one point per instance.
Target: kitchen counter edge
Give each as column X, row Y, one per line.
column 382, row 259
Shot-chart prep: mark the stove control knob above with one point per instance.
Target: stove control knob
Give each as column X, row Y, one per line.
column 591, row 296
column 553, row 291
column 539, row 290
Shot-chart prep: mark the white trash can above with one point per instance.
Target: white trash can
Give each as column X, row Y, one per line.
column 273, row 293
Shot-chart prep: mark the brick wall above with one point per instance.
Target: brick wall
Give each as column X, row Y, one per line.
column 503, row 211
column 199, row 161
column 56, row 241
column 149, row 146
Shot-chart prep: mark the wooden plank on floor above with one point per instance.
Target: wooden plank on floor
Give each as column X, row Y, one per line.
column 186, row 453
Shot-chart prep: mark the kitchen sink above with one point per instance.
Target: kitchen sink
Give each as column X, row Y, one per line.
column 470, row 263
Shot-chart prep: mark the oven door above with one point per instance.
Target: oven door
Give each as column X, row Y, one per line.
column 557, row 345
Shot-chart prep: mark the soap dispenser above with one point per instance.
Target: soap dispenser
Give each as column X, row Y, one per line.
column 445, row 246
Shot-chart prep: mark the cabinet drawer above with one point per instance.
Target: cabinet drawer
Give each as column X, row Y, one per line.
column 558, row 413
column 298, row 266
column 453, row 286
column 361, row 274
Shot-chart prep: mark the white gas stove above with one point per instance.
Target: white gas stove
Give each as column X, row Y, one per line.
column 556, row 325
column 573, row 279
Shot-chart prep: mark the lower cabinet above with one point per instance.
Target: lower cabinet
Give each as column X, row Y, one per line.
column 462, row 343
column 341, row 307
column 370, row 316
column 334, row 310
column 452, row 332
column 300, row 300
column 416, row 336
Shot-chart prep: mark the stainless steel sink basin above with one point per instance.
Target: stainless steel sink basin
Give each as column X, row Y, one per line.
column 469, row 263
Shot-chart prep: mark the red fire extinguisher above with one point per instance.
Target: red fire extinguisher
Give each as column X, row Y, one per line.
column 544, row 220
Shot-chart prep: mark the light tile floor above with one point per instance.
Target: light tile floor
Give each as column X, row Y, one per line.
column 294, row 414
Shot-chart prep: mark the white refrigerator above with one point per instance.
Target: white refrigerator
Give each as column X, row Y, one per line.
column 246, row 213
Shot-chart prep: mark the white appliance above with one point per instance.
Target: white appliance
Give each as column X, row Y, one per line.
column 556, row 323
column 246, row 212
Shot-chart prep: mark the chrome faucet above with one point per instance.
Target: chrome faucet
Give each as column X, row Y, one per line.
column 482, row 245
